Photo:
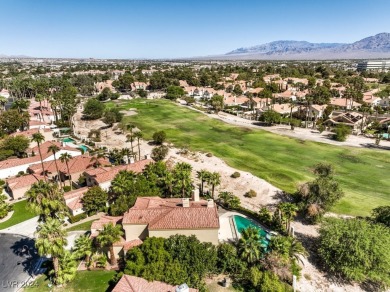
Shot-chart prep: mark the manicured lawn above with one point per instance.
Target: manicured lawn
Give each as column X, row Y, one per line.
column 20, row 214
column 82, row 226
column 91, row 281
column 285, row 162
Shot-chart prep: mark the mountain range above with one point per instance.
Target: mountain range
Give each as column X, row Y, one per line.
column 377, row 46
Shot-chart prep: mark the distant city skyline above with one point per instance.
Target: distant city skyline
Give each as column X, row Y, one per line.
column 178, row 29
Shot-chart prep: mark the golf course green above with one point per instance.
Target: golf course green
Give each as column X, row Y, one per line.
column 284, row 162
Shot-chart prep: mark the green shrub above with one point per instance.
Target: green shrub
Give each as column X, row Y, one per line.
column 235, row 174
column 2, row 182
column 250, row 194
column 66, row 188
column 77, row 218
column 341, row 133
column 321, row 128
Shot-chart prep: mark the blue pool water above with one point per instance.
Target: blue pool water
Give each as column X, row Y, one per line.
column 84, row 148
column 243, row 223
column 69, row 140
column 386, row 135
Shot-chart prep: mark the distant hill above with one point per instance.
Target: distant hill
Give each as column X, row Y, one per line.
column 377, row 46
column 2, row 56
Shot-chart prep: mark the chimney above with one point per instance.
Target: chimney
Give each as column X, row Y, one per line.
column 195, row 195
column 210, row 203
column 147, row 156
column 186, row 202
column 131, row 160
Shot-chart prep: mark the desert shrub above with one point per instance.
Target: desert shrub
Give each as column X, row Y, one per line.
column 209, row 155
column 251, row 194
column 77, row 218
column 235, row 174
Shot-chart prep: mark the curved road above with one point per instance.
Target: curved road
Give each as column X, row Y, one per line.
column 18, row 261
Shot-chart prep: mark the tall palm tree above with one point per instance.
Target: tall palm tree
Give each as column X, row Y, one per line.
column 138, row 135
column 83, row 248
column 95, row 159
column 183, row 176
column 203, row 175
column 3, row 101
column 288, row 212
column 66, row 157
column 67, row 268
column 249, row 245
column 107, row 237
column 50, row 240
column 128, row 153
column 169, row 180
column 120, row 184
column 54, row 149
column 130, row 137
column 214, row 179
column 46, row 200
column 39, row 138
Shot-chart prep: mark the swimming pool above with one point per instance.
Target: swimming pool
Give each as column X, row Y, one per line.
column 242, row 223
column 386, row 135
column 68, row 140
column 84, row 148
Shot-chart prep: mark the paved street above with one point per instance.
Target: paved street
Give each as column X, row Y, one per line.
column 18, row 260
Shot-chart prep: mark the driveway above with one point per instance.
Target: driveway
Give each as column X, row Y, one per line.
column 18, row 261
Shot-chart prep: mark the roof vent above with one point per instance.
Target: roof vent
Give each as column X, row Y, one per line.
column 186, row 202
column 183, row 288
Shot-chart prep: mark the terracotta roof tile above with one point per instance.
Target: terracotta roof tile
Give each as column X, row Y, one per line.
column 23, row 181
column 135, row 284
column 161, row 213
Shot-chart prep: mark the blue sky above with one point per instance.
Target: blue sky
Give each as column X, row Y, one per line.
column 173, row 28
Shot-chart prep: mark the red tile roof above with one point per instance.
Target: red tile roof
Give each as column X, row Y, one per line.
column 23, row 181
column 159, row 213
column 73, row 198
column 104, row 174
column 135, row 284
column 76, row 164
column 98, row 224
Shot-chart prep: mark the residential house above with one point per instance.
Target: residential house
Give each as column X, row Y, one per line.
column 356, row 121
column 136, row 284
column 370, row 98
column 77, row 165
column 73, row 201
column 343, row 103
column 11, row 167
column 18, row 186
column 102, row 176
column 161, row 217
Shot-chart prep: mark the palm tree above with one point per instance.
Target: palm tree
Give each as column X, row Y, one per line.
column 54, row 149
column 296, row 249
column 3, row 101
column 183, row 176
column 139, row 136
column 214, row 179
column 169, row 180
column 83, row 248
column 66, row 157
column 108, row 236
column 203, row 175
column 50, row 240
column 288, row 212
column 96, row 159
column 128, row 153
column 130, row 137
column 39, row 138
column 67, row 268
column 249, row 245
column 46, row 200
column 120, row 184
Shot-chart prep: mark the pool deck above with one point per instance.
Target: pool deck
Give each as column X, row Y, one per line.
column 226, row 230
